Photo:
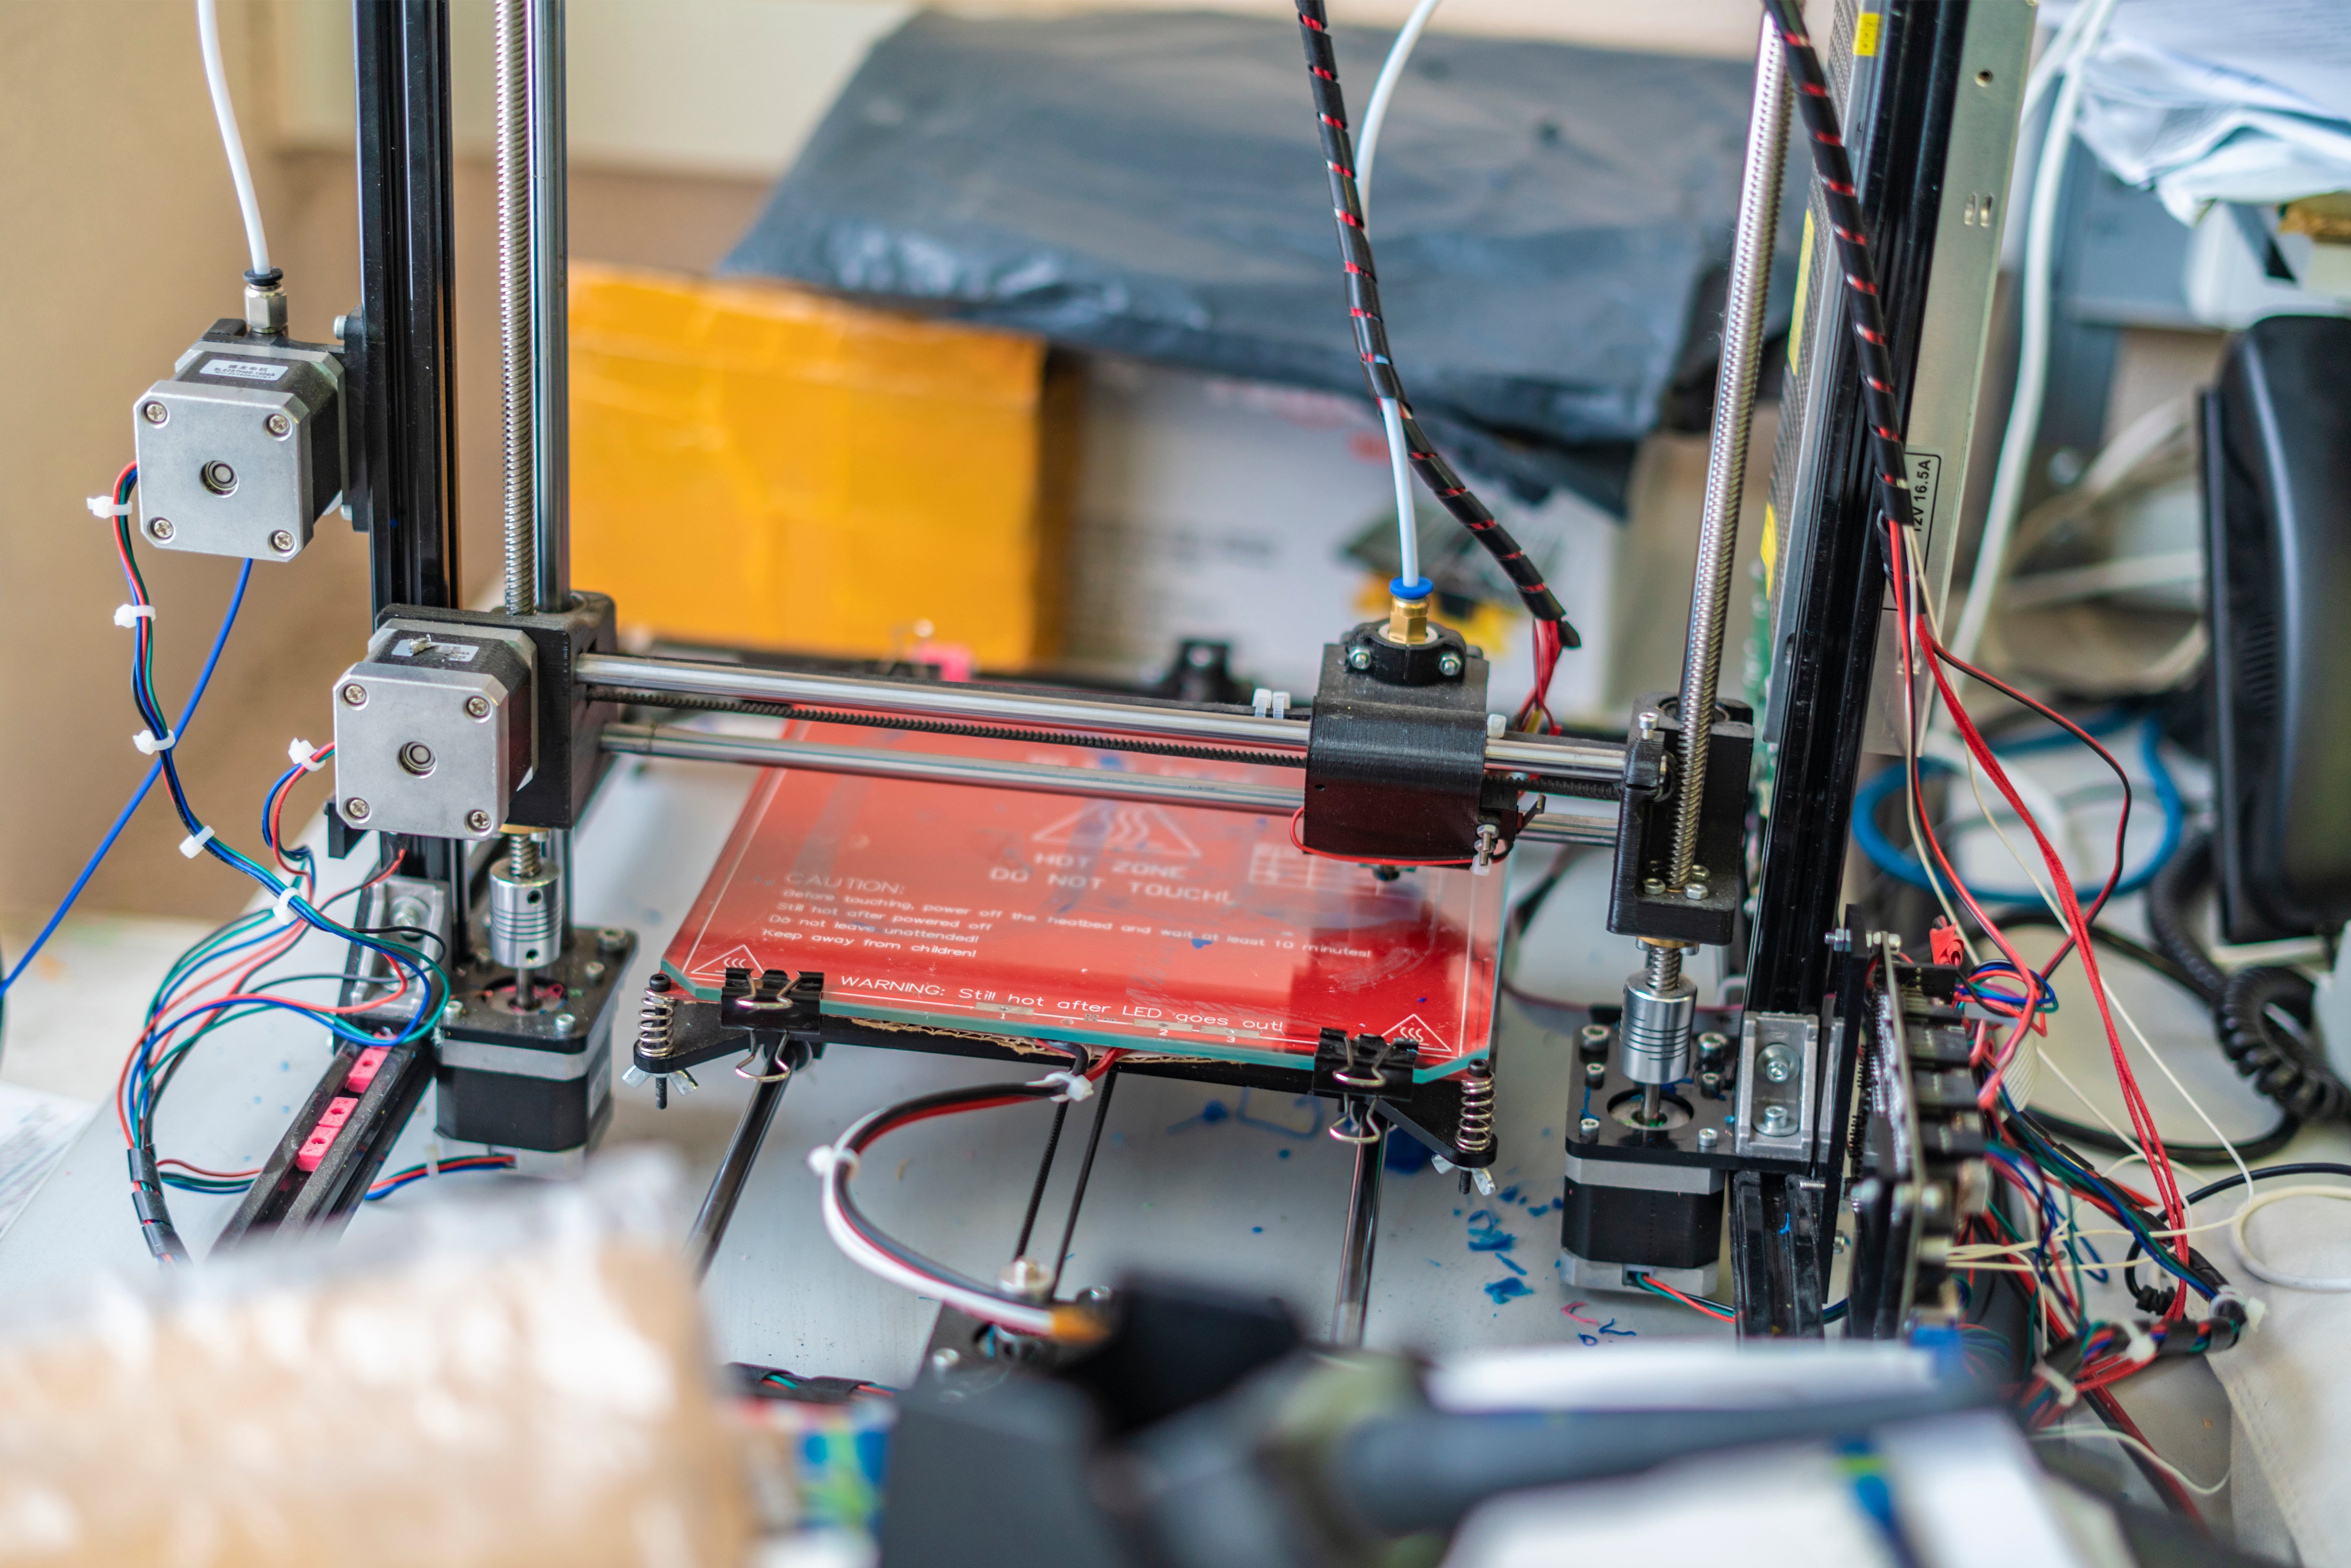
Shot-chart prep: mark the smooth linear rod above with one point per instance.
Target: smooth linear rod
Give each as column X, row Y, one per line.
column 1097, row 783
column 1590, row 761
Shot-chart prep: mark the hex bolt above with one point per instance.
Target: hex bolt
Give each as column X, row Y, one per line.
column 282, row 542
column 354, row 695
column 1694, row 891
column 1653, row 885
column 1707, row 1138
column 1589, row 1126
column 1359, row 658
column 355, row 809
column 1595, row 1071
column 1449, row 666
column 159, row 529
column 153, row 413
column 477, row 707
column 478, row 820
column 1776, row 1122
column 565, row 1023
column 593, row 968
column 277, row 425
column 1778, row 1062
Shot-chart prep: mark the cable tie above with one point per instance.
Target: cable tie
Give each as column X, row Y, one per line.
column 1073, row 1085
column 826, row 1158
column 2138, row 1345
column 2253, row 1308
column 193, row 844
column 129, row 615
column 104, row 506
column 2067, row 1395
column 303, row 755
column 149, row 746
column 284, row 905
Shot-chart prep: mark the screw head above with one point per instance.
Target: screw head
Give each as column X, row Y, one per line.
column 355, row 809
column 452, row 1010
column 945, row 1360
column 1775, row 1122
column 478, row 820
column 1595, row 1071
column 1713, row 1039
column 277, row 425
column 353, row 695
column 159, row 529
column 477, row 707
column 1778, row 1062
column 565, row 1023
column 1589, row 1126
column 342, row 328
column 1594, row 1034
column 593, row 968
column 611, row 939
column 1708, row 1137
column 1359, row 658
column 153, row 413
column 282, row 542
column 1449, row 666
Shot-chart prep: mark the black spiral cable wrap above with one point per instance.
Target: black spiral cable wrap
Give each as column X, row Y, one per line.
column 1854, row 261
column 1372, row 333
column 2292, row 1071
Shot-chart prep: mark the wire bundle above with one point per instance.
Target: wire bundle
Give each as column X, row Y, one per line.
column 868, row 1246
column 181, row 1012
column 1553, row 633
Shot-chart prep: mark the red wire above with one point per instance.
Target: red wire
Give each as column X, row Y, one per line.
column 1694, row 1305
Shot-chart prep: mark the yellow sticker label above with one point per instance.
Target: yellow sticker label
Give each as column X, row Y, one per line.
column 1865, row 33
column 1769, row 546
column 1803, row 288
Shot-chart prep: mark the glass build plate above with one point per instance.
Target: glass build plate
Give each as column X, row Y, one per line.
column 1175, row 930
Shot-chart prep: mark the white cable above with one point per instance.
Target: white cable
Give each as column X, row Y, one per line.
column 2053, row 59
column 2033, row 353
column 2334, row 1285
column 1400, row 469
column 2068, row 1433
column 1367, row 142
column 241, row 173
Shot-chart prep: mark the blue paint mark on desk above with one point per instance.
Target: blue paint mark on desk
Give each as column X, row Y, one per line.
column 1506, row 1289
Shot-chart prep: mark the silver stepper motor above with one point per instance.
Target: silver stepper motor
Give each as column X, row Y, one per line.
column 1653, row 1046
column 524, row 908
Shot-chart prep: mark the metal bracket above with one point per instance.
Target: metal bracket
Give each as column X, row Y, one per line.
column 1642, row 902
column 1779, row 1093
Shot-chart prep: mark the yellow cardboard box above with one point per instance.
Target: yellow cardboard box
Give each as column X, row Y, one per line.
column 758, row 465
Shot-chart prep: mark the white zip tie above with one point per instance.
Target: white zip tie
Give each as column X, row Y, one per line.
column 2138, row 1348
column 149, row 746
column 129, row 615
column 1074, row 1085
column 104, row 506
column 284, row 904
column 825, row 1158
column 301, row 753
column 193, row 844
column 2067, row 1395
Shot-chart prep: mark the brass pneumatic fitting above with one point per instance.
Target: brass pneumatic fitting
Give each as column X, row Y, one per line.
column 1409, row 621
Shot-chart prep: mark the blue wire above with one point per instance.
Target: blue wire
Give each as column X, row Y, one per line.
column 1895, row 863
column 155, row 771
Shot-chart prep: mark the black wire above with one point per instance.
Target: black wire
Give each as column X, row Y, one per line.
column 1044, row 1170
column 2269, row 1143
column 1085, row 1172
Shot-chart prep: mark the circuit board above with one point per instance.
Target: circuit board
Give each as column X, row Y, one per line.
column 1183, row 931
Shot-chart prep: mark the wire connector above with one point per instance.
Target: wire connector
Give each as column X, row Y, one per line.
column 149, row 746
column 826, row 1158
column 129, row 615
column 105, row 507
column 303, row 755
column 193, row 844
column 1073, row 1085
